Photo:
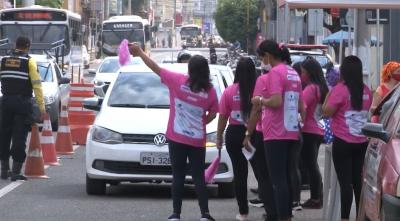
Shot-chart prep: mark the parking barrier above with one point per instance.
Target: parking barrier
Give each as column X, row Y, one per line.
column 80, row 119
column 64, row 138
column 34, row 164
column 331, row 209
column 47, row 143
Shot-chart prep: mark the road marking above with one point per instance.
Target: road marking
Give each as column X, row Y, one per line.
column 10, row 187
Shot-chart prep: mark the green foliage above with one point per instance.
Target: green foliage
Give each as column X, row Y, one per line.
column 231, row 20
column 49, row 3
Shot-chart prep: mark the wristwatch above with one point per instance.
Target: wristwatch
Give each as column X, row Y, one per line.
column 247, row 133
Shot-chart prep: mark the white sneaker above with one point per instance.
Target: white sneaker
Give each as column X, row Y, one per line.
column 241, row 217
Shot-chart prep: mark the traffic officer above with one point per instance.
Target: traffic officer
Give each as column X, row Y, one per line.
column 19, row 78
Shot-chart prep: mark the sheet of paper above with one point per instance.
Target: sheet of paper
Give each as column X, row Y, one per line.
column 249, row 153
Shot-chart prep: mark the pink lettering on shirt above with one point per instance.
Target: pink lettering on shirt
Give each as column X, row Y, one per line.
column 280, row 123
column 187, row 118
column 230, row 105
column 347, row 122
column 311, row 99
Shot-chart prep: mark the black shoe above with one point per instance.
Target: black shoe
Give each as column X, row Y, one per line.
column 174, row 217
column 254, row 190
column 5, row 174
column 296, row 206
column 15, row 177
column 312, row 204
column 207, row 217
column 256, row 203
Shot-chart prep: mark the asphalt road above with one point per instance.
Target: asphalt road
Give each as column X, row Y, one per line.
column 62, row 197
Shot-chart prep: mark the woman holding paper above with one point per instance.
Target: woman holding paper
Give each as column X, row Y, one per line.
column 235, row 106
column 278, row 96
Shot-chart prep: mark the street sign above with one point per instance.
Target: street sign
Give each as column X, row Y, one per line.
column 207, row 27
column 384, row 15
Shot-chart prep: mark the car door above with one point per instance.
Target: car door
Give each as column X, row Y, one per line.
column 63, row 88
column 376, row 151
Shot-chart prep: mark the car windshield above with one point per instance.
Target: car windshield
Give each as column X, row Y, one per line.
column 112, row 65
column 45, row 71
column 143, row 90
column 322, row 60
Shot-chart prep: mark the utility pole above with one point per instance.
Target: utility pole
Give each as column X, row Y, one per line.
column 129, row 7
column 173, row 26
column 247, row 27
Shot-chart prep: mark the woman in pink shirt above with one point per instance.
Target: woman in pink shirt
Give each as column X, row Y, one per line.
column 193, row 104
column 235, row 106
column 348, row 104
column 313, row 96
column 278, row 94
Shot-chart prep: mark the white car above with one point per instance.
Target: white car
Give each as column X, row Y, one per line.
column 127, row 141
column 85, row 57
column 108, row 71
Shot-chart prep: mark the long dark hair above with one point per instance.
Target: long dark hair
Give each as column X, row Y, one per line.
column 245, row 76
column 316, row 76
column 199, row 74
column 351, row 74
column 271, row 47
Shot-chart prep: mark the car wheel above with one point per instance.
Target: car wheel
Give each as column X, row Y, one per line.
column 95, row 186
column 226, row 190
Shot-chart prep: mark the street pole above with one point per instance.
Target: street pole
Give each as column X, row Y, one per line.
column 129, row 7
column 247, row 26
column 173, row 31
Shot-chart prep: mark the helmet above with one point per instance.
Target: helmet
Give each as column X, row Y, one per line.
column 183, row 55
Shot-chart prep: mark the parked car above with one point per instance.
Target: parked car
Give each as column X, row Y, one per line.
column 299, row 52
column 107, row 72
column 380, row 198
column 55, row 86
column 132, row 146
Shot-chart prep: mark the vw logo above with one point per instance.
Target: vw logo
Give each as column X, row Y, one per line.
column 160, row 139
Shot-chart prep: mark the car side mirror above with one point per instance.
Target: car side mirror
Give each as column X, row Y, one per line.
column 93, row 103
column 375, row 130
column 64, row 81
column 92, row 71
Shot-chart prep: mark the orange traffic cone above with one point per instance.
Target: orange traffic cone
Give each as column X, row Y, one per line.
column 47, row 143
column 34, row 165
column 64, row 139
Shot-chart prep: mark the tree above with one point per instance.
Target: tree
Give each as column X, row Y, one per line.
column 48, row 3
column 231, row 20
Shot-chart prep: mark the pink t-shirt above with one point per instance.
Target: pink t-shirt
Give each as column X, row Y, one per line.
column 346, row 122
column 311, row 99
column 230, row 105
column 187, row 110
column 280, row 123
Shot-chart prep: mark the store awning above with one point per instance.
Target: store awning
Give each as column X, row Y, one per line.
column 360, row 4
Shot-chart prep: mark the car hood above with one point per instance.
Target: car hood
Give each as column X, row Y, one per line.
column 106, row 77
column 138, row 120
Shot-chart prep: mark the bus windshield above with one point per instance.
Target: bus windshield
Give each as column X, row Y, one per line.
column 112, row 39
column 189, row 31
column 46, row 33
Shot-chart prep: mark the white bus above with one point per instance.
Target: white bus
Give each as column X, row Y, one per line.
column 191, row 35
column 130, row 27
column 43, row 26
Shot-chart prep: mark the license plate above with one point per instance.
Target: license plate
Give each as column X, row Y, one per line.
column 155, row 159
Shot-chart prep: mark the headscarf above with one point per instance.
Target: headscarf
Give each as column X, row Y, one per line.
column 388, row 69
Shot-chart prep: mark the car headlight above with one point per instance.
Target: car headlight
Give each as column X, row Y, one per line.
column 211, row 139
column 49, row 99
column 103, row 135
